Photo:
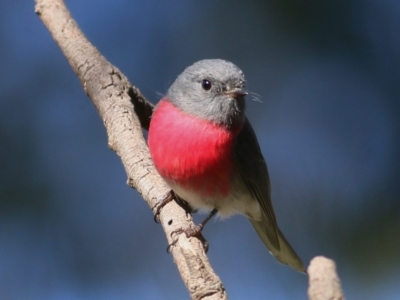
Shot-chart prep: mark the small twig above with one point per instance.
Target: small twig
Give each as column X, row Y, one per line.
column 324, row 283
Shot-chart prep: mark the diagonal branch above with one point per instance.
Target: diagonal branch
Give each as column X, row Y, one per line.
column 124, row 110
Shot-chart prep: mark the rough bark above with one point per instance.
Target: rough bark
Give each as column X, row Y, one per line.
column 124, row 111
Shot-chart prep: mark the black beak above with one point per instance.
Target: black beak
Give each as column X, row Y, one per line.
column 237, row 93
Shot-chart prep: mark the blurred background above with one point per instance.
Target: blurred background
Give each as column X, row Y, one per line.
column 328, row 77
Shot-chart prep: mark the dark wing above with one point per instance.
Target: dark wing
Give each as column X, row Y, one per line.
column 251, row 166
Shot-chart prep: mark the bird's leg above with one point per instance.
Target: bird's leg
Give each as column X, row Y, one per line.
column 195, row 231
column 168, row 198
column 185, row 205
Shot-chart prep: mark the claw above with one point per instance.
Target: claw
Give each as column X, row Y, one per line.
column 171, row 245
column 190, row 232
column 193, row 232
column 168, row 198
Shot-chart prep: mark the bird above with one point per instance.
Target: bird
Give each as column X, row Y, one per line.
column 204, row 147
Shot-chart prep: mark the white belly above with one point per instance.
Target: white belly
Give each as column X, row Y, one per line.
column 239, row 201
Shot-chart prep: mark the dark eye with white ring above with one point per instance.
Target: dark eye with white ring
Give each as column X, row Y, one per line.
column 206, row 84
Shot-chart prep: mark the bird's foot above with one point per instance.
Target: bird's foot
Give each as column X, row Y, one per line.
column 158, row 207
column 168, row 198
column 194, row 232
column 189, row 232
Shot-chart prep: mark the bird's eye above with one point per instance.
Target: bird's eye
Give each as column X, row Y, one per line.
column 206, row 84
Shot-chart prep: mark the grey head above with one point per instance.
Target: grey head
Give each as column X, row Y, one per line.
column 211, row 89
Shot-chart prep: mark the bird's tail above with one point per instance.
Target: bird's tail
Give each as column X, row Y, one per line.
column 285, row 254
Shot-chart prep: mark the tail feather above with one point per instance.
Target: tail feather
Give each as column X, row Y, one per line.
column 285, row 255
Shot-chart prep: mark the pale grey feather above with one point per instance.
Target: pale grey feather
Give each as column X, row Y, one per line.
column 214, row 105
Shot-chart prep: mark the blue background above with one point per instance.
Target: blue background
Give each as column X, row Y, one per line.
column 328, row 77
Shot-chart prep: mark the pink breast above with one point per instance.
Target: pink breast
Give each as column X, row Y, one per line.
column 192, row 152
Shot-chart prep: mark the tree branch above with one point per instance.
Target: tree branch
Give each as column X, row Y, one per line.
column 324, row 283
column 124, row 110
